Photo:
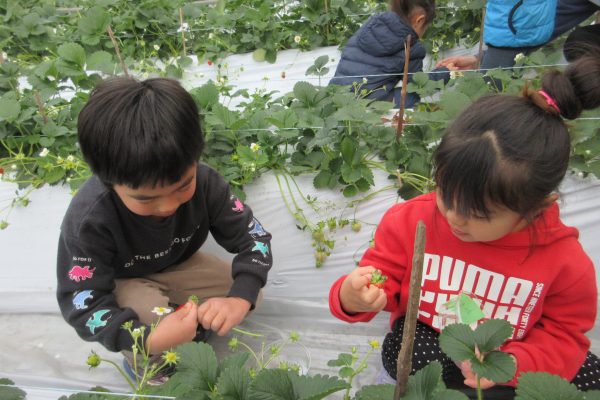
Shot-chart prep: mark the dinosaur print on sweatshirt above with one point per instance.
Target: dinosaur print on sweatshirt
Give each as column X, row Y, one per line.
column 78, row 273
column 80, row 297
column 96, row 321
column 260, row 246
column 257, row 229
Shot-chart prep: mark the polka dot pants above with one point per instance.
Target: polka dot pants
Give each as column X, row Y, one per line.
column 426, row 348
column 588, row 377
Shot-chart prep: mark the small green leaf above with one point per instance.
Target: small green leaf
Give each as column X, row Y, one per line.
column 454, row 102
column 316, row 386
column 321, row 61
column 375, row 392
column 101, row 61
column 305, row 92
column 54, row 175
column 91, row 396
column 544, row 386
column 425, row 382
column 53, row 130
column 348, row 149
column 323, row 179
column 237, row 360
column 350, row 174
column 206, row 95
column 94, row 22
column 198, row 365
column 449, row 394
column 271, row 384
column 592, row 395
column 9, row 392
column 233, row 383
column 72, row 52
column 346, row 372
column 458, row 342
column 343, row 359
column 46, row 141
column 496, row 366
column 9, row 109
column 491, row 334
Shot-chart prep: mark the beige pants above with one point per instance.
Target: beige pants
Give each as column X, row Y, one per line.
column 203, row 275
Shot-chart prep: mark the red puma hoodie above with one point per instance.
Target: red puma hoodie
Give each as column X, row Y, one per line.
column 539, row 279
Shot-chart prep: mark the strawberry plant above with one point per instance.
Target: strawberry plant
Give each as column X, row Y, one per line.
column 329, row 132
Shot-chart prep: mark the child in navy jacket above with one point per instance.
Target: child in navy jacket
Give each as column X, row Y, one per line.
column 374, row 57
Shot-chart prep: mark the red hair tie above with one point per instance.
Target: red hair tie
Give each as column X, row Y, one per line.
column 550, row 101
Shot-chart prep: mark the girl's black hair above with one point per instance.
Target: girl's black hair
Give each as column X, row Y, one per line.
column 514, row 151
column 405, row 7
column 138, row 133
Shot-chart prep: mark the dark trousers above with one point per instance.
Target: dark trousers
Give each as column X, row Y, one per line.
column 427, row 349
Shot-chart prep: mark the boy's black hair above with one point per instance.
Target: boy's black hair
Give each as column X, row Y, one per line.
column 405, row 7
column 514, row 151
column 138, row 133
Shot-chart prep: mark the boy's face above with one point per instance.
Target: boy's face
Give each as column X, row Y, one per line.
column 159, row 201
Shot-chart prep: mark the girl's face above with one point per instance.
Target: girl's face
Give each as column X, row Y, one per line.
column 500, row 223
column 159, row 201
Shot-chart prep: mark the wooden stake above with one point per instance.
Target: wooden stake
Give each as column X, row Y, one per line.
column 480, row 52
column 116, row 46
column 404, row 362
column 182, row 30
column 38, row 101
column 400, row 126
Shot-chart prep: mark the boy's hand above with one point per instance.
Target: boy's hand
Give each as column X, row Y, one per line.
column 175, row 329
column 220, row 314
column 458, row 63
column 358, row 295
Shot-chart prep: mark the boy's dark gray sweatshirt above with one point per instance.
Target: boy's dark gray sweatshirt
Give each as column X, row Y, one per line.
column 102, row 240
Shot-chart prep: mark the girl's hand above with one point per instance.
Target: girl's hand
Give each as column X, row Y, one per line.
column 357, row 295
column 471, row 377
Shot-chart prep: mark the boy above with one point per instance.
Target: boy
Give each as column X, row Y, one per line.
column 129, row 240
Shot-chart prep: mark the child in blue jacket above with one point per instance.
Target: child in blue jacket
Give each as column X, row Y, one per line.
column 374, row 57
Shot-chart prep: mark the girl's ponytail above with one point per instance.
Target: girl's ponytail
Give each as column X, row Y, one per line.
column 570, row 92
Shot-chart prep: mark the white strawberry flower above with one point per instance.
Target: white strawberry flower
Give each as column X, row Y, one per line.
column 160, row 311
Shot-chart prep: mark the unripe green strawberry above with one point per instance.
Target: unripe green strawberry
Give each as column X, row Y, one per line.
column 356, row 226
column 378, row 279
column 318, row 236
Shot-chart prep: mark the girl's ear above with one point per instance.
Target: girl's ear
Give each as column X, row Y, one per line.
column 418, row 21
column 549, row 200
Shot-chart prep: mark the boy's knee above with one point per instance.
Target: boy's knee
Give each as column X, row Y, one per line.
column 141, row 296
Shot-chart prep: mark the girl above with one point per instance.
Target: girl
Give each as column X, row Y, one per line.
column 375, row 53
column 493, row 230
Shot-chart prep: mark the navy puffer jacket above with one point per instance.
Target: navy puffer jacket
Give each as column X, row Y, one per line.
column 376, row 52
